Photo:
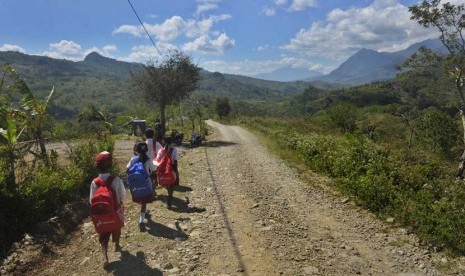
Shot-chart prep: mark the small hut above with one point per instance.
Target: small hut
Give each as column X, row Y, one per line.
column 139, row 127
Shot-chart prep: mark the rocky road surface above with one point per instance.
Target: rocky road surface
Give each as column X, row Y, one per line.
column 247, row 213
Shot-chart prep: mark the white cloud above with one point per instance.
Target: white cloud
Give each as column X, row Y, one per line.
column 300, row 5
column 169, row 30
column 145, row 53
column 203, row 27
column 263, row 48
column 252, row 68
column 109, row 49
column 280, row 2
column 385, row 25
column 70, row 50
column 65, row 49
column 136, row 31
column 11, row 47
column 204, row 7
column 269, row 11
column 174, row 27
column 204, row 44
column 199, row 32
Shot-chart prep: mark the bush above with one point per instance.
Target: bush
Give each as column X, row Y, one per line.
column 438, row 130
column 46, row 188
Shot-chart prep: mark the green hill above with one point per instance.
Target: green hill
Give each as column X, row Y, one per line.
column 107, row 82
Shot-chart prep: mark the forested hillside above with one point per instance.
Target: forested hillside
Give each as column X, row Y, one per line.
column 107, row 83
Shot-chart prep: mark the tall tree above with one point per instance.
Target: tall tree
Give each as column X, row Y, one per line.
column 37, row 116
column 438, row 130
column 12, row 121
column 449, row 20
column 223, row 108
column 167, row 82
column 344, row 116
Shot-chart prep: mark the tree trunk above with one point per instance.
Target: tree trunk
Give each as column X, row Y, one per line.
column 163, row 119
column 11, row 179
column 461, row 168
column 40, row 139
column 181, row 117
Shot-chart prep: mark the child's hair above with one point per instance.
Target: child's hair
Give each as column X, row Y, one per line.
column 149, row 133
column 168, row 140
column 141, row 149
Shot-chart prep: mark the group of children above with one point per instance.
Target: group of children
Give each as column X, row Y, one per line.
column 150, row 153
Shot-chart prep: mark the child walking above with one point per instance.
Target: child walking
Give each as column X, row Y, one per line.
column 103, row 163
column 153, row 145
column 153, row 148
column 141, row 150
column 170, row 151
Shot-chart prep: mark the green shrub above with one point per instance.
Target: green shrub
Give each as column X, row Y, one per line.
column 46, row 187
column 438, row 130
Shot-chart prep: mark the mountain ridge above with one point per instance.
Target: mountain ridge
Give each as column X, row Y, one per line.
column 107, row 82
column 367, row 66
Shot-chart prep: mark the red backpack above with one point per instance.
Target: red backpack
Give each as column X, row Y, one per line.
column 166, row 176
column 104, row 206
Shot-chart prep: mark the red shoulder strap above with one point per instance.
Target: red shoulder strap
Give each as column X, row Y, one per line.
column 99, row 182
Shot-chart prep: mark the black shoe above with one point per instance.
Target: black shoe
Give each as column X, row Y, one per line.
column 142, row 226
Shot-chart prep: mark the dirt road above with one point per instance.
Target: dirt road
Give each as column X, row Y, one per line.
column 249, row 214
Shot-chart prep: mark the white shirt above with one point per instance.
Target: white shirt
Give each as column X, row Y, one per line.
column 152, row 151
column 148, row 165
column 174, row 154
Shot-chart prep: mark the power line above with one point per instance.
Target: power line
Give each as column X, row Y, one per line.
column 135, row 12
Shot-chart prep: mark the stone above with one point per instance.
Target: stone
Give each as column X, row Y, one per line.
column 167, row 266
column 310, row 270
column 390, row 220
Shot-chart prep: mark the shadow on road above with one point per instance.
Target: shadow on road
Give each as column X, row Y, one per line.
column 181, row 206
column 182, row 189
column 132, row 265
column 159, row 230
column 217, row 144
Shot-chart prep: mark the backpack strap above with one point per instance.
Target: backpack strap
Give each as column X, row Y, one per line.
column 170, row 151
column 100, row 182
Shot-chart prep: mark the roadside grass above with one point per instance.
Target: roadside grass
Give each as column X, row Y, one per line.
column 292, row 159
column 415, row 187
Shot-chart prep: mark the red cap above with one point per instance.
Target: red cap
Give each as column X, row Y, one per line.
column 103, row 160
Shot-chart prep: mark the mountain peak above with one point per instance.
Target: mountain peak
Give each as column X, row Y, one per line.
column 94, row 56
column 365, row 51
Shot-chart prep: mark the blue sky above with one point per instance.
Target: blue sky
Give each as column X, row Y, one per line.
column 245, row 37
